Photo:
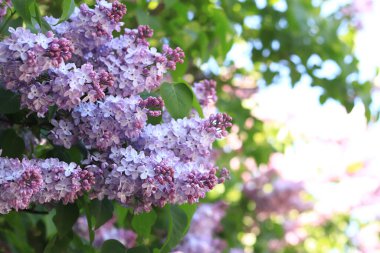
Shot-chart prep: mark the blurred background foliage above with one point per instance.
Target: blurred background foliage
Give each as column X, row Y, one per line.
column 286, row 41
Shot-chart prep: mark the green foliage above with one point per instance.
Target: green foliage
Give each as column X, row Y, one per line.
column 142, row 223
column 65, row 217
column 113, row 246
column 179, row 222
column 68, row 7
column 9, row 102
column 101, row 211
column 23, row 8
column 178, row 99
column 11, row 144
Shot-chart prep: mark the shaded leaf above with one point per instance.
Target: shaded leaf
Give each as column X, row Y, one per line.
column 65, row 218
column 11, row 144
column 68, row 7
column 102, row 211
column 113, row 246
column 179, row 222
column 23, row 8
column 9, row 102
column 139, row 249
column 178, row 98
column 142, row 223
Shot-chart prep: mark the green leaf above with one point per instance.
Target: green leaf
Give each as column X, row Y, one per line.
column 196, row 105
column 179, row 222
column 142, row 223
column 178, row 98
column 68, row 7
column 74, row 154
column 102, row 211
column 121, row 213
column 22, row 8
column 11, row 144
column 113, row 246
column 139, row 249
column 9, row 102
column 58, row 244
column 41, row 21
column 65, row 218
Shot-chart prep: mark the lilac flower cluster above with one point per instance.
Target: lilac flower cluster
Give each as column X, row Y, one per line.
column 24, row 55
column 135, row 66
column 95, row 81
column 202, row 233
column 103, row 124
column 4, row 6
column 205, row 91
column 106, row 232
column 82, row 61
column 171, row 164
column 40, row 181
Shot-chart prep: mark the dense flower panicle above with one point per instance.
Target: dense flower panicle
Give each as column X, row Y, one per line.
column 91, row 28
column 4, row 6
column 100, row 125
column 65, row 87
column 141, row 181
column 135, row 66
column 106, row 232
column 202, row 235
column 205, row 92
column 83, row 62
column 24, row 55
column 40, row 181
column 188, row 139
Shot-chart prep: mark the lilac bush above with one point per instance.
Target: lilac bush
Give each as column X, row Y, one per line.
column 93, row 83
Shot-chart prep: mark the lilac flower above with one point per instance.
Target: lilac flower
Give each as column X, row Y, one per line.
column 4, row 6
column 91, row 28
column 40, row 181
column 205, row 91
column 31, row 54
column 101, row 125
column 188, row 139
column 168, row 164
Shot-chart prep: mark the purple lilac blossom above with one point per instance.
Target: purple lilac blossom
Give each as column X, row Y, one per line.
column 106, row 232
column 205, row 92
column 188, row 139
column 67, row 87
column 24, row 55
column 100, row 125
column 4, row 6
column 135, row 66
column 95, row 80
column 169, row 165
column 82, row 61
column 40, row 181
